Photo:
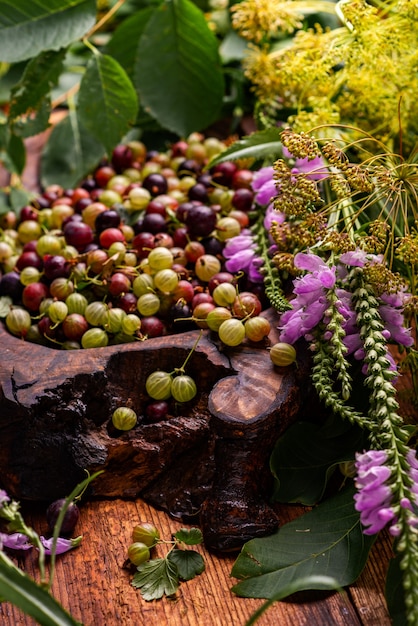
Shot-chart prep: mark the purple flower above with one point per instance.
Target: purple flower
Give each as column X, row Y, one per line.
column 413, row 474
column 310, row 303
column 63, row 545
column 314, row 168
column 19, row 541
column 4, row 498
column 15, row 541
column 271, row 216
column 394, row 323
column 359, row 258
column 264, row 185
column 240, row 252
column 374, row 495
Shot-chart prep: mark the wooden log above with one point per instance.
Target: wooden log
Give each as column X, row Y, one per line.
column 209, row 459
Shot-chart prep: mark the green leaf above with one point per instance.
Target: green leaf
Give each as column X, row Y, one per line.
column 190, row 537
column 263, row 144
column 327, row 541
column 189, row 563
column 18, row 198
column 15, row 156
column 5, row 305
column 317, row 582
column 107, row 101
column 394, row 592
column 305, row 457
column 70, row 154
column 179, row 79
column 123, row 46
column 233, row 47
column 156, row 578
column 29, row 27
column 40, row 75
column 16, row 587
column 35, row 123
column 4, row 201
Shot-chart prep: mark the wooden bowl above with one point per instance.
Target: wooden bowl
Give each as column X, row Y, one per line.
column 208, row 463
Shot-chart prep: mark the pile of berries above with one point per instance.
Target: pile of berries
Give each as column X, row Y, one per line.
column 134, row 252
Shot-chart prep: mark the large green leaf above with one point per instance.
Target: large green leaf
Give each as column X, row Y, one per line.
column 395, row 594
column 327, row 541
column 311, row 582
column 178, row 72
column 38, row 121
column 123, row 46
column 306, row 455
column 70, row 154
column 16, row 587
column 107, row 101
column 28, row 27
column 264, row 144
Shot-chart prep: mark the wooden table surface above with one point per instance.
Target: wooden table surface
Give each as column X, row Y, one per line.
column 92, row 583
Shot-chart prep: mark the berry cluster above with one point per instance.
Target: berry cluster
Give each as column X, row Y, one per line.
column 134, row 252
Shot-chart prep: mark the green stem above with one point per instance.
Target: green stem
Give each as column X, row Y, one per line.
column 272, row 281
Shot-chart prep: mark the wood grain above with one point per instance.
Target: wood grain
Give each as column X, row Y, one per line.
column 92, row 583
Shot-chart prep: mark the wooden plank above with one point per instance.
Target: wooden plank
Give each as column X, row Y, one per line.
column 92, row 583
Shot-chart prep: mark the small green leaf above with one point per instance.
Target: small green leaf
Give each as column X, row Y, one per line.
column 306, row 455
column 28, row 27
column 107, row 101
column 189, row 563
column 70, row 154
column 180, row 81
column 190, row 537
column 5, row 305
column 156, row 578
column 264, row 144
column 328, row 541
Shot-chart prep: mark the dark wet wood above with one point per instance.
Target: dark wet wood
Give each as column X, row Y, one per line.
column 209, row 461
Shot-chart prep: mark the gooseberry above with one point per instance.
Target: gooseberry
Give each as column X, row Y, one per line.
column 282, row 354
column 138, row 552
column 124, row 418
column 146, row 533
column 183, row 388
column 158, row 385
column 232, row 332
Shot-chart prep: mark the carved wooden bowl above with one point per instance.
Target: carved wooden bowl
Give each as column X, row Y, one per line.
column 207, row 464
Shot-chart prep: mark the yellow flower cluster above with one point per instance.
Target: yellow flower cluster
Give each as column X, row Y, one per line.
column 362, row 73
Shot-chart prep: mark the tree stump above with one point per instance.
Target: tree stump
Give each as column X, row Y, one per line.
column 209, row 462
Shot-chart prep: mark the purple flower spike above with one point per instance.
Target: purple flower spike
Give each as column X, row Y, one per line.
column 374, row 495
